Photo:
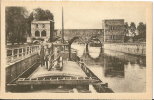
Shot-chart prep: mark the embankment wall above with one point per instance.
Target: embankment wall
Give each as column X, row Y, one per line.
column 130, row 48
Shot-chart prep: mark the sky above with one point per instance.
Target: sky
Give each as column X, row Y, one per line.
column 90, row 15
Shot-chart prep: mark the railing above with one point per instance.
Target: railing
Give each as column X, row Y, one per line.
column 56, row 80
column 99, row 86
column 17, row 54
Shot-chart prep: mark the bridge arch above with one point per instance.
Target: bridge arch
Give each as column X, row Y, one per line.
column 87, row 43
column 87, row 48
column 70, row 43
column 75, row 38
column 96, row 38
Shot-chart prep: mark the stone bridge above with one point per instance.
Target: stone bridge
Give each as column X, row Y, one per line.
column 85, row 40
column 84, row 34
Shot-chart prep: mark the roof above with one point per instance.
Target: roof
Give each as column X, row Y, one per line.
column 44, row 22
column 76, row 29
column 113, row 21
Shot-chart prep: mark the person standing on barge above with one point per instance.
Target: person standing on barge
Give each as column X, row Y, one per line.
column 42, row 55
column 56, row 58
column 46, row 58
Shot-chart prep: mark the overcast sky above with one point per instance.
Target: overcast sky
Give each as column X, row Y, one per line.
column 90, row 16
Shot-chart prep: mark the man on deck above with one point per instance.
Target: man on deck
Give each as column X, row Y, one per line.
column 47, row 53
column 56, row 58
column 42, row 55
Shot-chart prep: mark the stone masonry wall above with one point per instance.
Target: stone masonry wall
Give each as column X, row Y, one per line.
column 130, row 48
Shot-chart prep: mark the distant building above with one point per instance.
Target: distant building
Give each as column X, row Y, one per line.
column 114, row 30
column 42, row 30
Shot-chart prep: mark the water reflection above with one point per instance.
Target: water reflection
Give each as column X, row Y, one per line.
column 113, row 67
column 123, row 72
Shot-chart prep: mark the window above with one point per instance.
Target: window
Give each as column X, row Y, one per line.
column 37, row 33
column 43, row 33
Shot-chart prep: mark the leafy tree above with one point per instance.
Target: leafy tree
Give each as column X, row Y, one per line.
column 49, row 15
column 126, row 32
column 126, row 28
column 132, row 28
column 141, row 28
column 15, row 24
column 40, row 15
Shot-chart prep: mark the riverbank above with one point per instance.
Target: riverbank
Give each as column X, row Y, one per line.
column 129, row 48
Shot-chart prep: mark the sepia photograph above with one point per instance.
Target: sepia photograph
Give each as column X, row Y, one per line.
column 76, row 47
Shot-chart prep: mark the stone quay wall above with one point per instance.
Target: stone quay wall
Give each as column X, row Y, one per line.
column 19, row 60
column 129, row 48
column 14, row 71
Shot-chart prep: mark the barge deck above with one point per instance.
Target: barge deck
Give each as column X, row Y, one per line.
column 70, row 68
column 71, row 74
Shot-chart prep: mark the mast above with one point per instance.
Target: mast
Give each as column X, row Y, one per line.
column 62, row 26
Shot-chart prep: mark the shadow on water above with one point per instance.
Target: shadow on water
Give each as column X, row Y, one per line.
column 118, row 69
column 112, row 57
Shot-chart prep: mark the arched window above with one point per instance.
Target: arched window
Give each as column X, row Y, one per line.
column 37, row 33
column 43, row 33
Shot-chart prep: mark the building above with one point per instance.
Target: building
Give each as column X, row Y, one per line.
column 114, row 30
column 42, row 30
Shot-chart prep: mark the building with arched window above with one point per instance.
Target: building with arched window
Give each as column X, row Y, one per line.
column 42, row 30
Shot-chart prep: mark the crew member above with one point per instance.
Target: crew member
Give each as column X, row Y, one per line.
column 47, row 53
column 42, row 55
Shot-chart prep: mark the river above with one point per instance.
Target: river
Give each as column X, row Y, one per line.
column 124, row 73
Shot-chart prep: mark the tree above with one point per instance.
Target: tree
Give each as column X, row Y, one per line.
column 126, row 28
column 126, row 32
column 40, row 15
column 132, row 28
column 141, row 28
column 15, row 24
column 29, row 20
column 49, row 15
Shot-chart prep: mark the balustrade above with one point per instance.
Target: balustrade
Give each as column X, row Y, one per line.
column 16, row 54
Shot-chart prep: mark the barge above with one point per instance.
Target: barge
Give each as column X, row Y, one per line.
column 73, row 77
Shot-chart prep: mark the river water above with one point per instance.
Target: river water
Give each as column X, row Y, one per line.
column 124, row 73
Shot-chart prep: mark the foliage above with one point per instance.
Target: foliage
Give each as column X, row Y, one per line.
column 132, row 28
column 16, row 24
column 40, row 14
column 142, row 30
column 126, row 28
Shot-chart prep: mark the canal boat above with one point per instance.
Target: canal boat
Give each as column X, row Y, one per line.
column 70, row 76
column 73, row 77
